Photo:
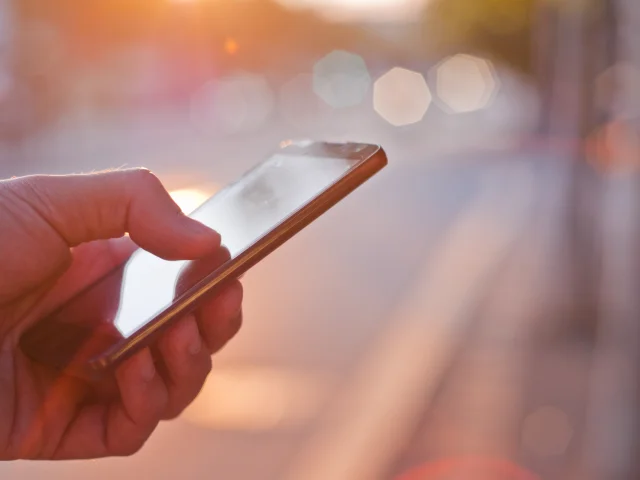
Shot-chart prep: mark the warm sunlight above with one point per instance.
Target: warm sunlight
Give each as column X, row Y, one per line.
column 256, row 398
column 349, row 10
column 361, row 9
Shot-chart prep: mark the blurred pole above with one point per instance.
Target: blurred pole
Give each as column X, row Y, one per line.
column 559, row 56
column 573, row 42
column 628, row 107
column 599, row 53
column 571, row 86
column 543, row 55
column 611, row 421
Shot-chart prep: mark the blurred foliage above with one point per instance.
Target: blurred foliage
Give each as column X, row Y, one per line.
column 500, row 29
column 508, row 31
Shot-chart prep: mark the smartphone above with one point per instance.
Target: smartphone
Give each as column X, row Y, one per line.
column 127, row 309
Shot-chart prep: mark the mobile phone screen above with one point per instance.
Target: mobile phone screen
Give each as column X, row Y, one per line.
column 241, row 214
column 126, row 300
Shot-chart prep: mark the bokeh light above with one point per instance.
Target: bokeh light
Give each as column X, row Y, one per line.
column 200, row 90
column 465, row 83
column 255, row 398
column 341, row 79
column 547, row 432
column 232, row 105
column 231, row 46
column 401, row 96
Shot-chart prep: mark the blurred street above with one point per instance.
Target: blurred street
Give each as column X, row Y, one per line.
column 471, row 312
column 433, row 324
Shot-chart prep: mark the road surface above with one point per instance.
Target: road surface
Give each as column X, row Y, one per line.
column 428, row 316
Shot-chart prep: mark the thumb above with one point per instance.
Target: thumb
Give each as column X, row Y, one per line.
column 83, row 208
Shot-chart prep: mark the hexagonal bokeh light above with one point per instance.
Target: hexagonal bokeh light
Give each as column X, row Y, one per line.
column 465, row 83
column 233, row 104
column 401, row 96
column 341, row 79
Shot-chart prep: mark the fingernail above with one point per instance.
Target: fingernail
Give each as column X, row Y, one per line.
column 195, row 345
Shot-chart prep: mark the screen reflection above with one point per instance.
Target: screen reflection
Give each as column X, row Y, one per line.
column 242, row 213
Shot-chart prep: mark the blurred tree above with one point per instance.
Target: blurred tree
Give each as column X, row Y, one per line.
column 514, row 32
column 264, row 33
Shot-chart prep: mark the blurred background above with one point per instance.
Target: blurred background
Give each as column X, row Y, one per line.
column 472, row 312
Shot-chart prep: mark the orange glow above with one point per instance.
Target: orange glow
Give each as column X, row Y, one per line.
column 255, row 399
column 189, row 199
column 614, row 147
column 349, row 10
column 231, row 46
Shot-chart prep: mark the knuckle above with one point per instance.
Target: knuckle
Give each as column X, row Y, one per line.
column 182, row 402
column 208, row 367
column 172, row 414
column 240, row 288
column 203, row 371
column 129, row 449
column 160, row 403
column 236, row 325
column 143, row 178
column 32, row 190
column 218, row 342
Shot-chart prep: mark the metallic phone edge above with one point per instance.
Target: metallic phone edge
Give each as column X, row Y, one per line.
column 363, row 171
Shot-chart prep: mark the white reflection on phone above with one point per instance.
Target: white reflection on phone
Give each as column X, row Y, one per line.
column 242, row 214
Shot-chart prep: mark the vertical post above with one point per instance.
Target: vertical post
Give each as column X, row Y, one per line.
column 628, row 109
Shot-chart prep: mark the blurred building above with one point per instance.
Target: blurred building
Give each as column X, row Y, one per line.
column 120, row 53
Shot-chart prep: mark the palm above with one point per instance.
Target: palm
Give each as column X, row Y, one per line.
column 50, row 411
column 43, row 407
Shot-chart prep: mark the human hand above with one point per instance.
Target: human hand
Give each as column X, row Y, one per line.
column 58, row 235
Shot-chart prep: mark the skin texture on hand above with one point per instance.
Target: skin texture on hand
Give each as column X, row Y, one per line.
column 59, row 234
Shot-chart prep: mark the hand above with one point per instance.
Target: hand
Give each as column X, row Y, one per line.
column 59, row 234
